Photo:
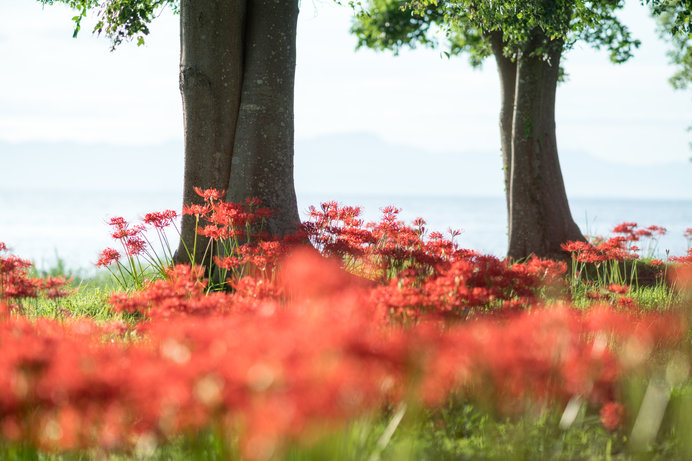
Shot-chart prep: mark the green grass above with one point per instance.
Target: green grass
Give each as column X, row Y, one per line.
column 90, row 301
column 458, row 431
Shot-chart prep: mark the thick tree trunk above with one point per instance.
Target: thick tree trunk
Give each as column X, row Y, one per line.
column 539, row 215
column 237, row 66
column 507, row 70
column 263, row 149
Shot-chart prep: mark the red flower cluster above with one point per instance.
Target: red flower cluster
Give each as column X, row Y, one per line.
column 300, row 344
column 317, row 350
column 468, row 283
column 378, row 250
column 238, row 245
column 227, row 220
column 631, row 232
column 546, row 354
column 612, row 414
column 425, row 274
column 613, row 249
column 618, row 248
column 15, row 284
column 687, row 259
column 108, row 257
column 161, row 219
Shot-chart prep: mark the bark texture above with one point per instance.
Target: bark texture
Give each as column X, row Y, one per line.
column 507, row 69
column 538, row 211
column 237, row 67
column 262, row 163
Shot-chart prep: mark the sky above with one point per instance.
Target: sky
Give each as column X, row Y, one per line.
column 59, row 89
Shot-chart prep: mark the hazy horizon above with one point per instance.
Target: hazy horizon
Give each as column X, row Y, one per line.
column 355, row 163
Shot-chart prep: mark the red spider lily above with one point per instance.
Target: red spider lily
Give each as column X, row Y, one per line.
column 108, row 257
column 227, row 214
column 618, row 289
column 181, row 292
column 657, row 229
column 626, row 302
column 160, row 220
column 234, row 231
column 196, row 210
column 687, row 259
column 227, row 262
column 118, row 222
column 612, row 414
column 211, row 231
column 628, row 229
column 209, row 194
column 594, row 295
column 642, row 233
column 123, row 230
column 454, row 233
column 15, row 283
column 467, row 284
column 253, row 202
column 126, row 232
column 134, row 245
column 631, row 233
column 54, row 287
column 387, row 247
column 612, row 249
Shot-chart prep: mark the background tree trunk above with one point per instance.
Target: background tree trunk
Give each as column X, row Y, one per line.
column 507, row 70
column 539, row 215
column 237, row 66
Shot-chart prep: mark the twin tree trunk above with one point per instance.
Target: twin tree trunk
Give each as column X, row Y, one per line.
column 538, row 213
column 237, row 74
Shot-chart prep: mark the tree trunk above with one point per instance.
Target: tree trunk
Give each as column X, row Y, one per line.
column 237, row 66
column 539, row 215
column 507, row 70
column 263, row 149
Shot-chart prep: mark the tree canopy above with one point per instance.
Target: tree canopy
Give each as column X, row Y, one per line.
column 119, row 20
column 675, row 26
column 395, row 24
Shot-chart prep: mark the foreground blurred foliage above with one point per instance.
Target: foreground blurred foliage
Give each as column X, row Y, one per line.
column 377, row 341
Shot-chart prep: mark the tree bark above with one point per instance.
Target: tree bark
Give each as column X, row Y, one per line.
column 539, row 215
column 237, row 66
column 507, row 70
column 263, row 150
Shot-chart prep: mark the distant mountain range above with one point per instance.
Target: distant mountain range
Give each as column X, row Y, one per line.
column 365, row 165
column 342, row 164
